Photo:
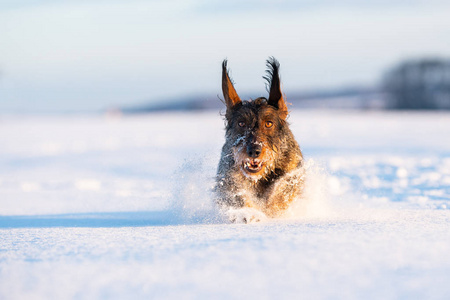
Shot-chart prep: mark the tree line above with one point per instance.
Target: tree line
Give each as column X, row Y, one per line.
column 418, row 84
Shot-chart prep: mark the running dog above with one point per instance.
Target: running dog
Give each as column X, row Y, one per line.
column 260, row 169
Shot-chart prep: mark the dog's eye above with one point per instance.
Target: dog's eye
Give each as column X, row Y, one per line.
column 241, row 124
column 269, row 124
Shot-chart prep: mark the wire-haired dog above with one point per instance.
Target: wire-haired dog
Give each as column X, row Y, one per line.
column 261, row 163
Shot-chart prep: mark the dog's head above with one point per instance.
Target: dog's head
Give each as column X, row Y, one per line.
column 256, row 127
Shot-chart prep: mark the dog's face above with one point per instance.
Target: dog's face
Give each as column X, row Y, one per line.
column 255, row 126
column 255, row 129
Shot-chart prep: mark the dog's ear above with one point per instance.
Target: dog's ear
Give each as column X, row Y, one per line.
column 229, row 93
column 276, row 98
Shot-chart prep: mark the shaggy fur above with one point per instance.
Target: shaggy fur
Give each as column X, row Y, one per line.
column 261, row 162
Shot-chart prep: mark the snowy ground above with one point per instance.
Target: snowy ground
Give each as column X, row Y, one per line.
column 119, row 208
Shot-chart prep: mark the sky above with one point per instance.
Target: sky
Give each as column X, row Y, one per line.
column 91, row 55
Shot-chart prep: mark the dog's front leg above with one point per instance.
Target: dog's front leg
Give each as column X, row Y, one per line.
column 283, row 193
column 240, row 208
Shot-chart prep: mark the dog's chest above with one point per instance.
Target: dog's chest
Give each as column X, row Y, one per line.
column 263, row 187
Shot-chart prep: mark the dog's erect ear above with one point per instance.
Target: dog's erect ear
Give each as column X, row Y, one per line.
column 276, row 98
column 229, row 93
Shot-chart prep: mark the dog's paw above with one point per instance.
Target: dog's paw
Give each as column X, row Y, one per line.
column 245, row 215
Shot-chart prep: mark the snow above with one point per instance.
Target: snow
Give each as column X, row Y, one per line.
column 95, row 207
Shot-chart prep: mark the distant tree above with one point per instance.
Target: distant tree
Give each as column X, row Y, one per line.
column 419, row 84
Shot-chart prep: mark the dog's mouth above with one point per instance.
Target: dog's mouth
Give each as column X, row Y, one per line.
column 252, row 165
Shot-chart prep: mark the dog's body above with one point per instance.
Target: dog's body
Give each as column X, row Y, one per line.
column 261, row 163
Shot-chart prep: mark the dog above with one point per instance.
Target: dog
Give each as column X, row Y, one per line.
column 260, row 170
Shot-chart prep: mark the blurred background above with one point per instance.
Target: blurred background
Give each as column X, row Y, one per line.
column 141, row 56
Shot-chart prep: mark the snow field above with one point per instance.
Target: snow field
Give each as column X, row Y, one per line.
column 104, row 208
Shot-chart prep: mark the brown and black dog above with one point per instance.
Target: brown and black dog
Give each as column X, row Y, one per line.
column 261, row 163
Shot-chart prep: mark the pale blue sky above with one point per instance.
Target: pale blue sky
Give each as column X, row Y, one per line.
column 84, row 55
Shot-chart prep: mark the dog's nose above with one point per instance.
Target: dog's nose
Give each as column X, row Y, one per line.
column 254, row 150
